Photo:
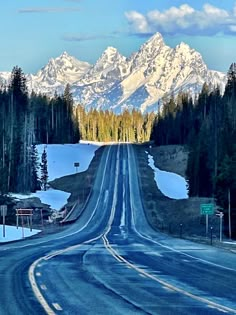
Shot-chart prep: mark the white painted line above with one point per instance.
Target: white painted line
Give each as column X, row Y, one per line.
column 57, row 306
column 36, row 290
column 122, row 221
column 124, row 167
column 210, row 306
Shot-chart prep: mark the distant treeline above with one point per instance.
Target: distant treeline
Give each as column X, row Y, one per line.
column 26, row 120
column 129, row 126
column 208, row 126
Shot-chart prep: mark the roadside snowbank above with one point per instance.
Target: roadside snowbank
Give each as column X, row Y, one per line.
column 12, row 233
column 170, row 184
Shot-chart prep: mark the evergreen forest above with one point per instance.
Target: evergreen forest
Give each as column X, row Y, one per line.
column 106, row 126
column 27, row 120
column 207, row 126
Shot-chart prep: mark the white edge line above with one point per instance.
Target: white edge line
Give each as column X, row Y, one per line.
column 36, row 290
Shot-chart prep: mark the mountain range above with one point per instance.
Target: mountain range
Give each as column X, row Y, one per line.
column 115, row 82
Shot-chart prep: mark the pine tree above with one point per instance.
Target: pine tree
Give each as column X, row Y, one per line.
column 18, row 144
column 44, row 171
column 35, row 183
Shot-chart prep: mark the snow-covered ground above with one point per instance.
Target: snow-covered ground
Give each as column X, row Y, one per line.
column 170, row 184
column 60, row 160
column 61, row 157
column 12, row 233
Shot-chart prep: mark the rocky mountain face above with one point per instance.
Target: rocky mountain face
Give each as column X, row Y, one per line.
column 116, row 82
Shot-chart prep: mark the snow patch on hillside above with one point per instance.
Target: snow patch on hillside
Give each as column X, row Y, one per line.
column 61, row 159
column 170, row 184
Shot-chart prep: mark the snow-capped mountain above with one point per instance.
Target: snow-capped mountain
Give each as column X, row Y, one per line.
column 57, row 73
column 116, row 82
column 4, row 78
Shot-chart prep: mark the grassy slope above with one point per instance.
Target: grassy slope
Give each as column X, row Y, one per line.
column 162, row 212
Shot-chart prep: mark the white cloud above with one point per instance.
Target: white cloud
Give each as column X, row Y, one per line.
column 138, row 21
column 184, row 19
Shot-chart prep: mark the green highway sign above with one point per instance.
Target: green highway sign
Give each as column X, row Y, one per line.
column 207, row 208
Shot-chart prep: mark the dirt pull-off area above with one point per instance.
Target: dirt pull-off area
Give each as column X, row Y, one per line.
column 177, row 217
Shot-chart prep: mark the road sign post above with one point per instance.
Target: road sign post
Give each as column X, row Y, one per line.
column 211, row 234
column 221, row 214
column 207, row 209
column 76, row 165
column 3, row 209
column 24, row 213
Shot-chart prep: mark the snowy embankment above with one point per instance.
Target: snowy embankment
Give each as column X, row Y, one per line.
column 170, row 184
column 60, row 161
column 12, row 233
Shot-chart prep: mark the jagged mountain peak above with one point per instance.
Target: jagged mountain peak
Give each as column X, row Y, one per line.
column 150, row 50
column 110, row 55
column 154, row 44
column 183, row 46
column 110, row 50
column 156, row 38
column 110, row 67
column 65, row 55
column 64, row 68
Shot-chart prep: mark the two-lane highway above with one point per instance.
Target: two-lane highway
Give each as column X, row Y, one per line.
column 111, row 262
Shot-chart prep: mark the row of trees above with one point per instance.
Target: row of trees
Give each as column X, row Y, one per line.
column 26, row 120
column 208, row 126
column 106, row 126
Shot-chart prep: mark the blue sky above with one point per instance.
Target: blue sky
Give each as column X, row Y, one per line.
column 34, row 31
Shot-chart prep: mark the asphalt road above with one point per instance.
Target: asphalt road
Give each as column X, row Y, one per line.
column 111, row 262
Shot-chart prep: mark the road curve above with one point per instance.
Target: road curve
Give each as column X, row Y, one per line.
column 111, row 262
